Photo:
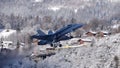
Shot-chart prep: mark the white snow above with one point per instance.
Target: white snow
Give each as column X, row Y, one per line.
column 115, row 26
column 75, row 10
column 105, row 31
column 38, row 0
column 101, row 54
column 86, row 39
column 94, row 32
column 114, row 0
column 55, row 8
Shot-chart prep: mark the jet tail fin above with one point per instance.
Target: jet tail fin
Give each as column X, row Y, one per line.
column 50, row 32
column 40, row 32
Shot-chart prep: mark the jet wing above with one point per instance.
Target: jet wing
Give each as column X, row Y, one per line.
column 68, row 29
column 42, row 37
column 40, row 32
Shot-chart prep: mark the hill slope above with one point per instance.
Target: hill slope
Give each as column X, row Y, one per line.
column 105, row 53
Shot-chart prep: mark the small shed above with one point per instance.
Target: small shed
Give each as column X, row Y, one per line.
column 103, row 33
column 82, row 41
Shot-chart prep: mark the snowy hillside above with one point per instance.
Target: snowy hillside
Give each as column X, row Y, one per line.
column 28, row 16
column 104, row 53
column 81, row 9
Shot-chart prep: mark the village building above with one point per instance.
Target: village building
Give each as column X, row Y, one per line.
column 4, row 33
column 7, row 45
column 103, row 33
column 6, row 38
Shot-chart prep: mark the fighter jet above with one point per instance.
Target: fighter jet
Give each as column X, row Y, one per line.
column 53, row 38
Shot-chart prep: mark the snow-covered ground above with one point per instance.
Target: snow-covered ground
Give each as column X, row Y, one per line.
column 104, row 53
column 54, row 8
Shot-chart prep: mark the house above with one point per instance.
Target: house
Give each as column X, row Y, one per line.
column 7, row 45
column 103, row 33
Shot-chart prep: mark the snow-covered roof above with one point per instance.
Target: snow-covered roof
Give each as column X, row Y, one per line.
column 55, row 8
column 92, row 32
column 7, row 42
column 86, row 39
column 6, row 32
column 105, row 31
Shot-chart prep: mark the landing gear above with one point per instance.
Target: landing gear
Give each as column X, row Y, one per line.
column 60, row 45
column 51, row 45
column 56, row 45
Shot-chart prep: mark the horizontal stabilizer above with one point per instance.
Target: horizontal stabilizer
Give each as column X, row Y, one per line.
column 40, row 32
column 50, row 32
